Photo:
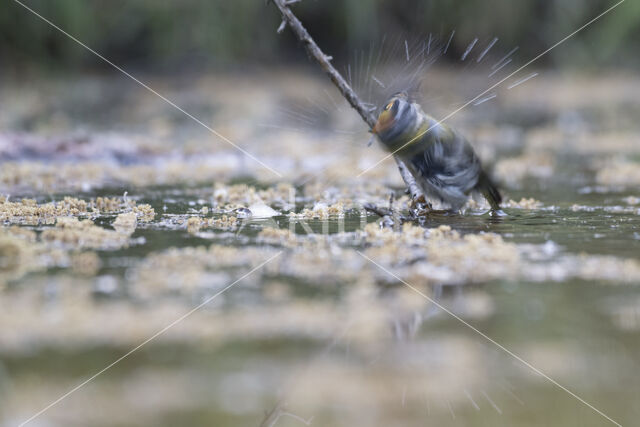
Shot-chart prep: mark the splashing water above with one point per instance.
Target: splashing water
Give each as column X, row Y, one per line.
column 403, row 63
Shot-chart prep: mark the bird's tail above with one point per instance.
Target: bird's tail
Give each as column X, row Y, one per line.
column 489, row 191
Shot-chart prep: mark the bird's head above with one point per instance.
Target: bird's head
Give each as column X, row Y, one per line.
column 394, row 117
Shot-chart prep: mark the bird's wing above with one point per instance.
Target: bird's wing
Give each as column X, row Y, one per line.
column 447, row 160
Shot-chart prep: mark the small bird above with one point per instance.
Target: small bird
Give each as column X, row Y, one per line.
column 441, row 160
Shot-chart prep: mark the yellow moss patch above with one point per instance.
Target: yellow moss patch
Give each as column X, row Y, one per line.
column 193, row 268
column 524, row 203
column 225, row 222
column 321, row 211
column 240, row 195
column 144, row 212
column 194, row 223
column 277, row 236
column 108, row 204
column 443, row 254
column 21, row 252
column 514, row 170
column 86, row 263
column 125, row 223
column 27, row 211
column 619, row 173
column 72, row 233
column 410, row 234
column 632, row 200
column 16, row 257
column 47, row 177
column 476, row 257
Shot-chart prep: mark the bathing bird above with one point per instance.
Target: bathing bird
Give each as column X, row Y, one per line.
column 440, row 159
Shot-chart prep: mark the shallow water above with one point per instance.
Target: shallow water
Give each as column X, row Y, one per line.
column 321, row 333
column 582, row 333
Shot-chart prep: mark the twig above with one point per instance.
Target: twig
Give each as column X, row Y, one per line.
column 272, row 417
column 381, row 212
column 325, row 62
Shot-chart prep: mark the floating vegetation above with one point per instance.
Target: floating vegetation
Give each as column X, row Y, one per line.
column 86, row 263
column 223, row 222
column 86, row 270
column 125, row 223
column 17, row 254
column 73, row 233
column 29, row 212
column 621, row 173
column 524, row 203
column 321, row 211
column 246, row 195
column 513, row 171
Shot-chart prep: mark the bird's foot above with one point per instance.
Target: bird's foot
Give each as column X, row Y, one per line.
column 420, row 207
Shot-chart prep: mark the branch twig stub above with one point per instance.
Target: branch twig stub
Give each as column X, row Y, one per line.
column 325, row 62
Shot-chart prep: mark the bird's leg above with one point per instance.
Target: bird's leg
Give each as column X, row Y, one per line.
column 413, row 188
column 421, row 203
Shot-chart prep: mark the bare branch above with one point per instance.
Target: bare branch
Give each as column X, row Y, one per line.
column 297, row 417
column 325, row 62
column 272, row 417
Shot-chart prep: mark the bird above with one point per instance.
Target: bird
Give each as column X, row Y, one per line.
column 441, row 160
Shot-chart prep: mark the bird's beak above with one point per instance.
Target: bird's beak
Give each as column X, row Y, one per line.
column 375, row 128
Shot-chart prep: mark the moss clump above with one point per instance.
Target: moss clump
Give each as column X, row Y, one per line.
column 277, row 236
column 524, row 203
column 28, row 212
column 16, row 257
column 75, row 234
column 512, row 171
column 125, row 223
column 321, row 211
column 143, row 213
column 619, row 173
column 224, row 222
column 194, row 224
column 85, row 263
column 108, row 204
column 245, row 195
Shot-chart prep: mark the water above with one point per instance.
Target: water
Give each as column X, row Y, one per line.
column 320, row 332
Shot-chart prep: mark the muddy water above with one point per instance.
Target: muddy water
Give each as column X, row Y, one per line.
column 319, row 333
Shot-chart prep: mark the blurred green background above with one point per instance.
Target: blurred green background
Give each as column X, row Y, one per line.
column 181, row 34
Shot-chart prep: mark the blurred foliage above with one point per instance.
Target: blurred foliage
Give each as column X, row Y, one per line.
column 183, row 33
